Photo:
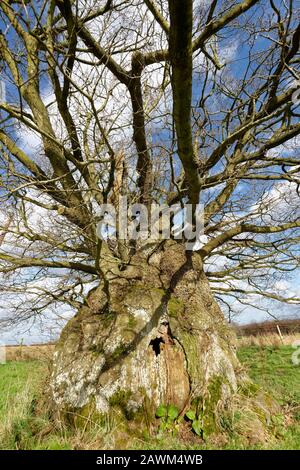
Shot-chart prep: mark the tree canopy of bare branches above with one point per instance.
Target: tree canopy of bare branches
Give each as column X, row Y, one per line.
column 161, row 101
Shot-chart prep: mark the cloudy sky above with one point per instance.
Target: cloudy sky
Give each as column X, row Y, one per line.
column 47, row 325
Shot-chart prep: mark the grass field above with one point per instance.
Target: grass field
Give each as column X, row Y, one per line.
column 17, row 379
column 23, row 427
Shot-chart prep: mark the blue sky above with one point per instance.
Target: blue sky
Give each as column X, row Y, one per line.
column 41, row 329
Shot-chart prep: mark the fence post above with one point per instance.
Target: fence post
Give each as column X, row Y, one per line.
column 279, row 332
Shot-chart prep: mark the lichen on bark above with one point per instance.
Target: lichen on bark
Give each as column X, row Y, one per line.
column 153, row 334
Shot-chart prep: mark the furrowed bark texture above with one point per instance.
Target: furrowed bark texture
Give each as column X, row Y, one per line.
column 148, row 335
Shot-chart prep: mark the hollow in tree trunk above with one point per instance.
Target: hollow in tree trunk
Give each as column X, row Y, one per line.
column 149, row 334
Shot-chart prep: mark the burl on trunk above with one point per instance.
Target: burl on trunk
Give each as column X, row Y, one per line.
column 150, row 334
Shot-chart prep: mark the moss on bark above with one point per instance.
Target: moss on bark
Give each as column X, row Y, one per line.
column 155, row 336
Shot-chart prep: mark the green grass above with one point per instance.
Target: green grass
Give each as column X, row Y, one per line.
column 273, row 369
column 269, row 367
column 14, row 376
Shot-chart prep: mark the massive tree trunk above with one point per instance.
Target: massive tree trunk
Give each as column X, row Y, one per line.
column 150, row 334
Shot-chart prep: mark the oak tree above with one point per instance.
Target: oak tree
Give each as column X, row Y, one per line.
column 173, row 102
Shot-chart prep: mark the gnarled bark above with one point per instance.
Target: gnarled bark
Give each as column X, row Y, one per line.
column 149, row 334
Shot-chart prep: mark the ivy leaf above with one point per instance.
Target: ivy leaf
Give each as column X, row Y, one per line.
column 191, row 415
column 173, row 412
column 197, row 427
column 161, row 411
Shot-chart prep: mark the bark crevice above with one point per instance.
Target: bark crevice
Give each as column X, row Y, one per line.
column 161, row 339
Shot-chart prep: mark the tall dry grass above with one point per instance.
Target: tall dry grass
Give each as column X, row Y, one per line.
column 29, row 353
column 269, row 339
column 45, row 351
column 16, row 409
